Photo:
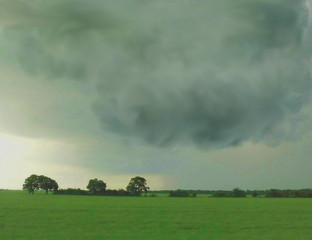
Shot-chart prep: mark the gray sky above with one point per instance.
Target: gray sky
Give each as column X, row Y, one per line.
column 189, row 94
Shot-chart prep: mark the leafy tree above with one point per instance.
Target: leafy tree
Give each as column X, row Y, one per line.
column 31, row 183
column 222, row 193
column 96, row 186
column 46, row 184
column 35, row 182
column 238, row 193
column 137, row 185
column 255, row 193
column 274, row 193
column 179, row 193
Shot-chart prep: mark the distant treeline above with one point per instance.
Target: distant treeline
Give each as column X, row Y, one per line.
column 236, row 192
column 138, row 185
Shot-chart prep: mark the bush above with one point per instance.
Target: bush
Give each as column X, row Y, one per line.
column 178, row 193
column 255, row 193
column 71, row 191
column 222, row 194
column 238, row 193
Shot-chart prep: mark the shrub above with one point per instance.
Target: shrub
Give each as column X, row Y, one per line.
column 238, row 193
column 178, row 193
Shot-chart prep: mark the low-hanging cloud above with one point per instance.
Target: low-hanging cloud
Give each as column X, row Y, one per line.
column 209, row 73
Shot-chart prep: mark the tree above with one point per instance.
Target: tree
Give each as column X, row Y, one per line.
column 137, row 185
column 31, row 183
column 35, row 182
column 46, row 184
column 96, row 186
column 274, row 193
column 238, row 193
column 179, row 193
column 255, row 193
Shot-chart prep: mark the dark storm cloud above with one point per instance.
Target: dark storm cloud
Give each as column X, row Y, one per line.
column 209, row 73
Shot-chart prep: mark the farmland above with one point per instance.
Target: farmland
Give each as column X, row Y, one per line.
column 40, row 216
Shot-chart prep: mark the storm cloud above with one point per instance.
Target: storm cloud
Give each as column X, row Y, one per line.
column 207, row 73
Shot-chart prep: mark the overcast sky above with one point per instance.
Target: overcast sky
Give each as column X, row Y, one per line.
column 204, row 94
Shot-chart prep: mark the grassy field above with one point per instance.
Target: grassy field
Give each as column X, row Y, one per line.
column 24, row 216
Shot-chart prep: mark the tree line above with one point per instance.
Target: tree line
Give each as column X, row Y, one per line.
column 138, row 185
column 135, row 187
column 239, row 193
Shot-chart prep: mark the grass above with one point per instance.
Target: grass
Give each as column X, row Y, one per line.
column 24, row 216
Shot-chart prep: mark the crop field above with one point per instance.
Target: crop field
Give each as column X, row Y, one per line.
column 40, row 216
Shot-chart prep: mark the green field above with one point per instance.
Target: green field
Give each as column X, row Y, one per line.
column 24, row 216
